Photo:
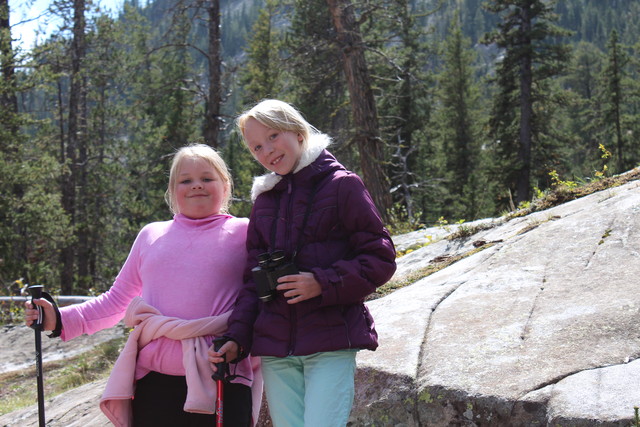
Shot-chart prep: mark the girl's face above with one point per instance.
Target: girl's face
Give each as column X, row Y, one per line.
column 277, row 150
column 199, row 191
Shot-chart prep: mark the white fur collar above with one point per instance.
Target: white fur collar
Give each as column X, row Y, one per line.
column 317, row 142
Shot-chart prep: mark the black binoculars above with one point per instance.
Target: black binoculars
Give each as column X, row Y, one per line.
column 271, row 266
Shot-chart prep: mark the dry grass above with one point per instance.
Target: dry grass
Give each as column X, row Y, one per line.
column 563, row 194
column 435, row 265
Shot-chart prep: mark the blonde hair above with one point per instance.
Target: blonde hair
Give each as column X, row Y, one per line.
column 277, row 115
column 202, row 152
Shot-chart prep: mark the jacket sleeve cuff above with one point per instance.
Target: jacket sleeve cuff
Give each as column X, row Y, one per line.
column 58, row 329
column 72, row 322
column 330, row 282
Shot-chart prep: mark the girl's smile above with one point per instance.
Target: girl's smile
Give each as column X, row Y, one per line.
column 277, row 150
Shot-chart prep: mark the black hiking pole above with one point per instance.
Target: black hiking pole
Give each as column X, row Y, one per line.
column 218, row 377
column 36, row 293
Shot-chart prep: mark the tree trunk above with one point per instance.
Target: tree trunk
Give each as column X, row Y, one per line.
column 363, row 106
column 84, row 202
column 76, row 134
column 212, row 111
column 526, row 110
column 9, row 128
column 617, row 101
column 406, row 106
column 8, row 97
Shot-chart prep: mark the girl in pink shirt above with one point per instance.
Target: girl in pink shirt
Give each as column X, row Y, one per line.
column 177, row 286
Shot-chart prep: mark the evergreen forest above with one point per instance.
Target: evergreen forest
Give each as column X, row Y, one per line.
column 450, row 110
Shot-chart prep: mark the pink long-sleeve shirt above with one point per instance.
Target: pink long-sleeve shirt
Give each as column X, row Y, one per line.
column 185, row 268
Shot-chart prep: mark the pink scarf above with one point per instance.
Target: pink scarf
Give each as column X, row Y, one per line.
column 150, row 324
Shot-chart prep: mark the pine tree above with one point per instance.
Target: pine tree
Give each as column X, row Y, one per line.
column 312, row 76
column 364, row 110
column 398, row 50
column 259, row 79
column 613, row 97
column 458, row 124
column 33, row 224
column 260, row 76
column 74, row 154
column 121, row 146
column 584, row 127
column 531, row 55
column 632, row 114
column 8, row 97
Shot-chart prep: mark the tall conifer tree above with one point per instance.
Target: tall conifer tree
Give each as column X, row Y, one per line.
column 613, row 77
column 74, row 154
column 584, row 127
column 458, row 124
column 259, row 79
column 363, row 106
column 312, row 70
column 398, row 51
column 260, row 76
column 530, row 54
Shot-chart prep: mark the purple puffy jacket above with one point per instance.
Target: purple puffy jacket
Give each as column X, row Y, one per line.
column 344, row 244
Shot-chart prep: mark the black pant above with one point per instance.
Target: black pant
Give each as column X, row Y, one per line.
column 159, row 401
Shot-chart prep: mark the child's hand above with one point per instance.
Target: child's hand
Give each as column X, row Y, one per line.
column 31, row 313
column 227, row 353
column 299, row 287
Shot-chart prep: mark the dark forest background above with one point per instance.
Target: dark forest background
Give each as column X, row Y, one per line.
column 450, row 110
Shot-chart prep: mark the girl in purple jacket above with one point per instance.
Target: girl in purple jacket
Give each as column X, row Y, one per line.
column 317, row 247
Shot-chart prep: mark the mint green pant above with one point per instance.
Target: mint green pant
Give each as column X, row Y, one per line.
column 309, row 391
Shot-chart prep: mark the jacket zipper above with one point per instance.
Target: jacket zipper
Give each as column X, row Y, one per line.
column 292, row 328
column 346, row 326
column 287, row 218
column 288, row 232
